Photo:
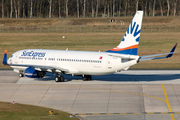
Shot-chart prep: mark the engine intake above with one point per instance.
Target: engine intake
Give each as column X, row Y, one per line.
column 32, row 73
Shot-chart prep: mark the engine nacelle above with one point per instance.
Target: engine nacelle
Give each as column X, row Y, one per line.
column 32, row 73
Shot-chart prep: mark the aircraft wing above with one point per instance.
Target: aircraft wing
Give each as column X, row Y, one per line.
column 43, row 68
column 154, row 57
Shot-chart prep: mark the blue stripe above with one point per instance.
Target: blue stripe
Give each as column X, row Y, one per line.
column 136, row 32
column 123, row 39
column 128, row 30
column 128, row 51
column 137, row 39
column 132, row 27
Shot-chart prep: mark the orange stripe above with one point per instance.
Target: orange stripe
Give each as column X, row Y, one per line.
column 119, row 49
column 5, row 51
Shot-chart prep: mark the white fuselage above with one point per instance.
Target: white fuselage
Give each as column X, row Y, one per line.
column 70, row 62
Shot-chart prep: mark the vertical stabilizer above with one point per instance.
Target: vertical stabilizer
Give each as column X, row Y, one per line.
column 5, row 57
column 130, row 41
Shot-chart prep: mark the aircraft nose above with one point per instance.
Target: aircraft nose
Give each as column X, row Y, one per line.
column 9, row 61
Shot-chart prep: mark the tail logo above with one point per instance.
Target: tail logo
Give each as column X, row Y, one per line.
column 130, row 41
column 133, row 30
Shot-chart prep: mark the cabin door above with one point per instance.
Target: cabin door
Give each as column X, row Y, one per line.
column 109, row 60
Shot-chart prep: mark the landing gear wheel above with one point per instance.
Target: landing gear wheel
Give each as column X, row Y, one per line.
column 59, row 79
column 84, row 78
column 21, row 75
column 87, row 78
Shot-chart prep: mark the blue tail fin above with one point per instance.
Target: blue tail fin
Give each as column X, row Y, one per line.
column 130, row 41
column 5, row 57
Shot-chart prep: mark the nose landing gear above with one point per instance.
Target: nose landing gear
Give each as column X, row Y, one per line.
column 21, row 74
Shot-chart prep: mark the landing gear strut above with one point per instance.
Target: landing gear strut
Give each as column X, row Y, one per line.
column 59, row 78
column 21, row 74
column 87, row 78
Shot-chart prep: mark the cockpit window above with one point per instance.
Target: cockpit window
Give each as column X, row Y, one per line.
column 11, row 56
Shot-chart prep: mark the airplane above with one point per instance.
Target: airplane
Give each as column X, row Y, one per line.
column 36, row 63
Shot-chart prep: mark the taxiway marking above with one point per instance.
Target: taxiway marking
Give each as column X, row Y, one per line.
column 167, row 102
column 141, row 113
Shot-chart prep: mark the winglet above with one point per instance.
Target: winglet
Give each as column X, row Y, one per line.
column 172, row 51
column 5, row 57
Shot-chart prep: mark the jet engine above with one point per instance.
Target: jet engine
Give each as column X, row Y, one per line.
column 32, row 73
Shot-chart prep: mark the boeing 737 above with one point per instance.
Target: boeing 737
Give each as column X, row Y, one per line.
column 37, row 62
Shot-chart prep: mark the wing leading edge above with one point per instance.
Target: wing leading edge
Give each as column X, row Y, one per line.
column 43, row 68
column 154, row 57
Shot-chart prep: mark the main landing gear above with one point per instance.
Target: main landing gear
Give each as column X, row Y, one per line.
column 59, row 78
column 87, row 78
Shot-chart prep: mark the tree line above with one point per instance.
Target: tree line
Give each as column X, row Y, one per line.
column 86, row 8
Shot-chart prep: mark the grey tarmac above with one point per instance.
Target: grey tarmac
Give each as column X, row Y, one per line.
column 133, row 94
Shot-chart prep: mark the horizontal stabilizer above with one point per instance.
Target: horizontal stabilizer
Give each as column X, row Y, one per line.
column 153, row 57
column 124, row 56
